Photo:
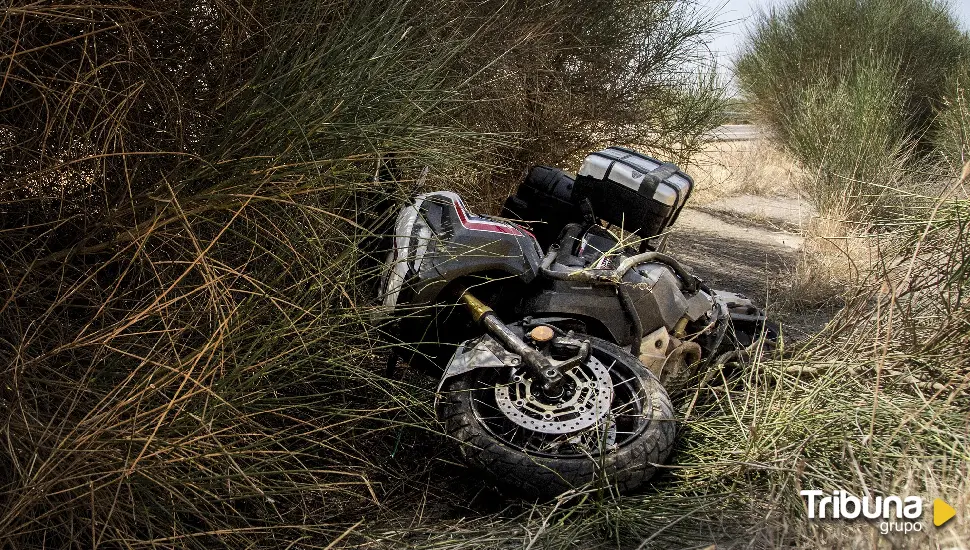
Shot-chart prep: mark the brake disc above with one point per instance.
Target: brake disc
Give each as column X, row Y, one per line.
column 587, row 402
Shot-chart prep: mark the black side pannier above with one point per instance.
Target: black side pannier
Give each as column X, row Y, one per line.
column 628, row 189
column 544, row 200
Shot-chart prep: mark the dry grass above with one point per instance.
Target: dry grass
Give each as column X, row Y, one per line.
column 835, row 256
column 731, row 168
column 186, row 352
column 737, row 176
column 890, row 371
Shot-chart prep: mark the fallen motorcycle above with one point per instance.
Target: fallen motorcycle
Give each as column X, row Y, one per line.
column 559, row 335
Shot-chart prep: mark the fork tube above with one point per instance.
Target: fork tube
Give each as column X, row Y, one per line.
column 537, row 364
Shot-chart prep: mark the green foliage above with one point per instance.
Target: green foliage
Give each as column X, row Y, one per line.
column 953, row 135
column 810, row 43
column 852, row 88
column 849, row 135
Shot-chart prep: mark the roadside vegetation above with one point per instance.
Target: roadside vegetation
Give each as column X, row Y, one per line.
column 859, row 93
column 878, row 127
column 186, row 189
column 186, row 193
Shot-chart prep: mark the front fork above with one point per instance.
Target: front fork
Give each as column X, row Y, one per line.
column 545, row 370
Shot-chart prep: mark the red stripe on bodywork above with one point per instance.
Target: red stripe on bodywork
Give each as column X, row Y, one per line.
column 483, row 225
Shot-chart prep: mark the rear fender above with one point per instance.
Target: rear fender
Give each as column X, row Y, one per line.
column 596, row 305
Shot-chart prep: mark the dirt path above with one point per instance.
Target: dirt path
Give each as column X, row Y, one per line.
column 744, row 244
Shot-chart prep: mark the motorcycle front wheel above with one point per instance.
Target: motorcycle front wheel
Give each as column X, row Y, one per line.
column 613, row 424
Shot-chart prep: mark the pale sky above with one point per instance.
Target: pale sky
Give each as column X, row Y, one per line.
column 734, row 16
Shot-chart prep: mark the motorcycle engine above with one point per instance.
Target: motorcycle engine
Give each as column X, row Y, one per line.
column 659, row 294
column 661, row 300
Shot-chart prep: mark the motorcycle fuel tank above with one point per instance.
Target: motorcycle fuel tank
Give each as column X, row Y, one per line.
column 438, row 240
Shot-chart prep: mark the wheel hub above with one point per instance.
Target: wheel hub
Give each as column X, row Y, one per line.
column 586, row 403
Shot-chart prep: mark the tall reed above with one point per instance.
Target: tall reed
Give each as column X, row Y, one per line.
column 188, row 192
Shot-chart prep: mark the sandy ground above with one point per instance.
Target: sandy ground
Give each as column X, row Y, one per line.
column 744, row 230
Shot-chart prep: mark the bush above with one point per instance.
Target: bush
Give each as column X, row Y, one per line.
column 184, row 187
column 821, row 43
column 851, row 88
column 569, row 77
column 953, row 123
column 848, row 136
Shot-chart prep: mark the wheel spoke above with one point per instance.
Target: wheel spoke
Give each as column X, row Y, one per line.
column 513, row 430
column 610, row 368
column 625, row 381
column 489, row 405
